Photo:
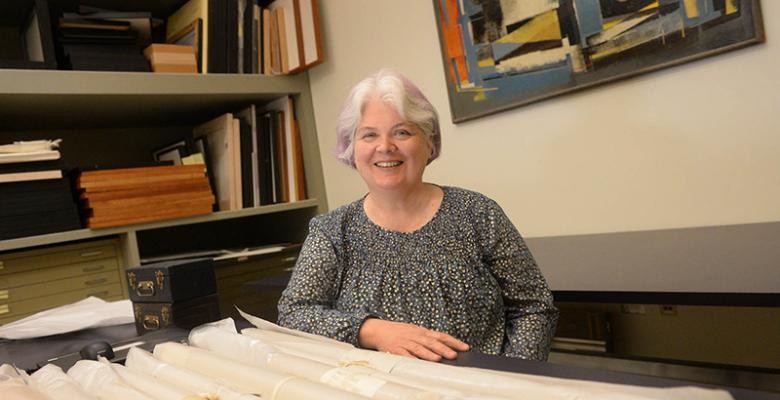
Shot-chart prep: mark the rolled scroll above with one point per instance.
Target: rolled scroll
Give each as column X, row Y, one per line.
column 151, row 386
column 100, row 380
column 475, row 380
column 246, row 378
column 143, row 361
column 226, row 342
column 53, row 382
column 13, row 386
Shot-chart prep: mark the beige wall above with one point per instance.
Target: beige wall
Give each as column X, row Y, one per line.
column 694, row 145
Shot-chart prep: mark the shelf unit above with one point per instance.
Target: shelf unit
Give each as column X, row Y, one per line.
column 115, row 118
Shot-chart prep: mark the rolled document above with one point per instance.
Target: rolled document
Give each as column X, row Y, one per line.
column 143, row 361
column 53, row 382
column 474, row 380
column 151, row 386
column 224, row 340
column 99, row 379
column 245, row 378
column 13, row 386
column 323, row 352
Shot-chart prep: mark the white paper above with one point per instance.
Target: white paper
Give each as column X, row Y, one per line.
column 53, row 382
column 30, row 146
column 141, row 360
column 91, row 312
column 100, row 380
column 482, row 382
column 270, row 326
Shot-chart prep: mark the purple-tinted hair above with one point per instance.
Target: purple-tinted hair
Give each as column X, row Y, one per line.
column 399, row 92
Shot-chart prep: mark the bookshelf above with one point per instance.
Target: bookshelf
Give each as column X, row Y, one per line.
column 107, row 118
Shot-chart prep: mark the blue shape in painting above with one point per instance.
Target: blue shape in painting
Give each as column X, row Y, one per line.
column 589, row 19
column 707, row 13
column 501, row 50
column 509, row 85
column 471, row 9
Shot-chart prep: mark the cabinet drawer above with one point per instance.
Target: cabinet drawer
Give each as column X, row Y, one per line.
column 281, row 260
column 60, row 255
column 36, row 304
column 5, row 318
column 236, row 281
column 12, row 295
column 58, row 273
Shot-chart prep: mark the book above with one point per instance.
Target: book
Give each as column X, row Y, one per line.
column 266, row 68
column 121, row 176
column 308, row 18
column 281, row 36
column 220, row 141
column 120, row 208
column 183, row 185
column 231, row 29
column 29, row 166
column 140, row 22
column 30, row 176
column 249, row 149
column 289, row 31
column 40, row 155
column 292, row 174
column 207, row 19
column 157, row 214
column 127, row 202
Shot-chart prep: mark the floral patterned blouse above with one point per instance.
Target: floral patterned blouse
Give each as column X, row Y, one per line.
column 467, row 272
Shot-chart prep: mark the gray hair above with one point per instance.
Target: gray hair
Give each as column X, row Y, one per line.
column 396, row 90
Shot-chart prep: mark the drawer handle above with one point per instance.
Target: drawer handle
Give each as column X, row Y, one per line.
column 94, row 268
column 98, row 294
column 289, row 259
column 151, row 322
column 95, row 281
column 145, row 288
column 4, row 309
column 92, row 253
column 4, row 295
column 288, row 269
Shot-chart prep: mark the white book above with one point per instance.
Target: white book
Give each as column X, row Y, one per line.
column 30, row 176
column 42, row 155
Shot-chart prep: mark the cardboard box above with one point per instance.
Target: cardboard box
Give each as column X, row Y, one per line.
column 171, row 58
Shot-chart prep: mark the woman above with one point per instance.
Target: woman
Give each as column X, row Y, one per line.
column 413, row 268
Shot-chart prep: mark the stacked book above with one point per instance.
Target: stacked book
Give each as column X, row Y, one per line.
column 105, row 42
column 113, row 197
column 35, row 196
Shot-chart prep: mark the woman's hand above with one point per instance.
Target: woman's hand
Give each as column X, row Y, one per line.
column 408, row 340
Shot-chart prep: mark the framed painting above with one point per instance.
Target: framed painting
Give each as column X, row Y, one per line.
column 500, row 54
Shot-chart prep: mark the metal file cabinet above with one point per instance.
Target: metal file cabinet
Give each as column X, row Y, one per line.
column 39, row 279
column 254, row 284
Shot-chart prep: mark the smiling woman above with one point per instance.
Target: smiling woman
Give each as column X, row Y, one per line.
column 414, row 268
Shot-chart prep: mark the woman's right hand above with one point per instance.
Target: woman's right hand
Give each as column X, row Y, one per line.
column 408, row 340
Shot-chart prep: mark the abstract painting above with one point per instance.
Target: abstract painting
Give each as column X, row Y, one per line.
column 500, row 54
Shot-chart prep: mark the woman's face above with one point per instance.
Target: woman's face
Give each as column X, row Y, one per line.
column 390, row 153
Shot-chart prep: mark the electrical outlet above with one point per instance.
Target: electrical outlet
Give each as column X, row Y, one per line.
column 667, row 309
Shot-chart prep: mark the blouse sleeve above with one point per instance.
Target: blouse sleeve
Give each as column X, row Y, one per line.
column 530, row 314
column 309, row 301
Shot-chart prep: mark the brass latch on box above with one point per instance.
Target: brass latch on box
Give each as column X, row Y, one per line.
column 151, row 322
column 145, row 288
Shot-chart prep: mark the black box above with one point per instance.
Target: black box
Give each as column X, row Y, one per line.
column 171, row 281
column 187, row 314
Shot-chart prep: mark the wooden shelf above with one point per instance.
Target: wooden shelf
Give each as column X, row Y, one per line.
column 48, row 99
column 60, row 237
